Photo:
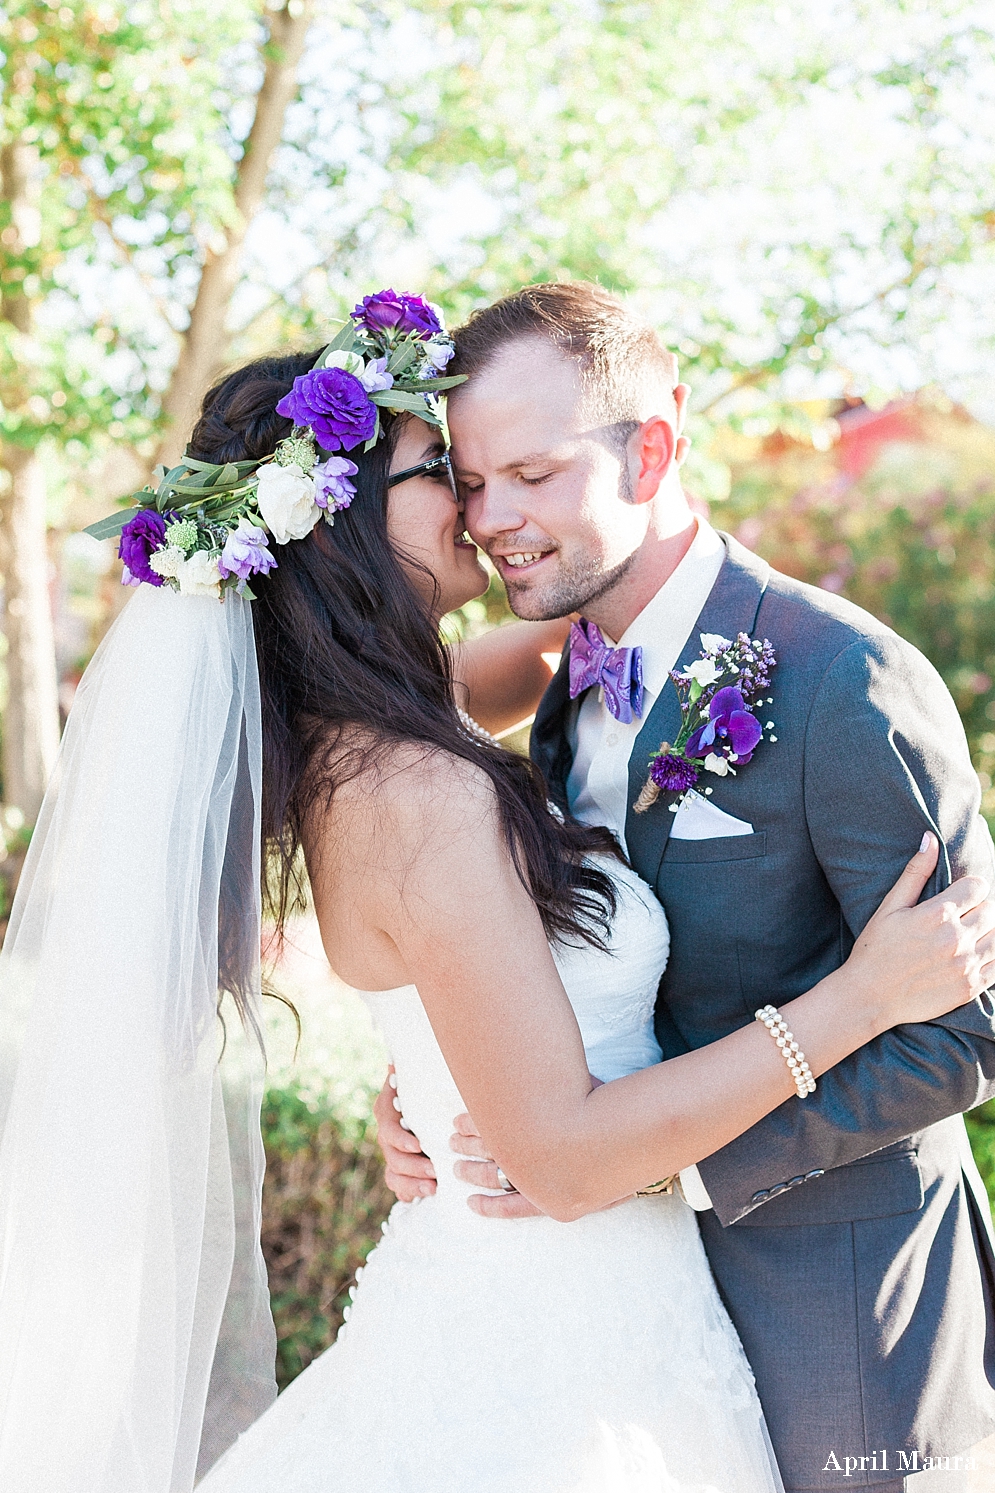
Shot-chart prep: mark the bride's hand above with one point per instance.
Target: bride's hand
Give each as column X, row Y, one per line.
column 924, row 959
column 407, row 1170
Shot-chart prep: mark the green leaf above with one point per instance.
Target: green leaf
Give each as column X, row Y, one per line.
column 229, row 473
column 400, row 358
column 396, row 399
column 430, row 384
column 343, row 341
column 110, row 527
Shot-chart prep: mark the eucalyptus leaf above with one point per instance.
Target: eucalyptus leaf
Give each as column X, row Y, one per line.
column 402, row 356
column 397, row 399
column 343, row 341
column 110, row 527
column 435, row 384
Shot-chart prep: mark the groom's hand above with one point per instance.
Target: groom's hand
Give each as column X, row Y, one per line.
column 407, row 1170
column 481, row 1171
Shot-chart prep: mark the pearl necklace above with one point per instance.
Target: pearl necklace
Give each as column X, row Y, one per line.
column 475, row 729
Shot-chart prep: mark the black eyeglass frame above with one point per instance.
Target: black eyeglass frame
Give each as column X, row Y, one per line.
column 424, row 468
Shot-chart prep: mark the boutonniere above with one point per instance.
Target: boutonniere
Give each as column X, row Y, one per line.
column 719, row 730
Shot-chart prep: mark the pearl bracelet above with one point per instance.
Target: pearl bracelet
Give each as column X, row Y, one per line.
column 775, row 1023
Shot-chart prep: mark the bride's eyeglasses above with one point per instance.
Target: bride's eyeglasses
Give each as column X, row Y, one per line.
column 439, row 468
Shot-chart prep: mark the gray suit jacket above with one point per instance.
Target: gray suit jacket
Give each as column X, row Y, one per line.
column 850, row 1237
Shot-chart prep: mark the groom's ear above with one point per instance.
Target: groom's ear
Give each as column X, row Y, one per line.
column 653, row 449
column 682, row 393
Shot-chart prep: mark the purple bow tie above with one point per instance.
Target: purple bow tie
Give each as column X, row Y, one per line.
column 619, row 671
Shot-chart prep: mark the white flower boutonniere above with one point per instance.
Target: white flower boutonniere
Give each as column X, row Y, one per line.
column 719, row 730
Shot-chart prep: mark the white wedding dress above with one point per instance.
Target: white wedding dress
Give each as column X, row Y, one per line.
column 524, row 1356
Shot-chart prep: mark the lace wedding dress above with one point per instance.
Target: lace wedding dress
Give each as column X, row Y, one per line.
column 524, row 1356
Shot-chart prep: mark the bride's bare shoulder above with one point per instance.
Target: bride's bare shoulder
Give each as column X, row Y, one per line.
column 400, row 798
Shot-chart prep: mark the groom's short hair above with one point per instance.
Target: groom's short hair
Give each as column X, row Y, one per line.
column 622, row 361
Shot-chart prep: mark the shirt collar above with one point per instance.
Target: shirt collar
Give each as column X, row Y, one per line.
column 665, row 623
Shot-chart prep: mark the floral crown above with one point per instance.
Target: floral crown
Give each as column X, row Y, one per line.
column 206, row 528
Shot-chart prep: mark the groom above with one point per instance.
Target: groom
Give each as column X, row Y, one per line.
column 849, row 1232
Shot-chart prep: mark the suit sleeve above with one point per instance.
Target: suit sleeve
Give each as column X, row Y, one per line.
column 885, row 759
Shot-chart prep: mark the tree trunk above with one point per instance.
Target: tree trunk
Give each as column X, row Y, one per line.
column 206, row 341
column 31, row 718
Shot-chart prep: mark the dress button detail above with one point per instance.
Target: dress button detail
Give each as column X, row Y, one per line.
column 817, row 1173
column 776, row 1191
column 758, row 1197
column 795, row 1181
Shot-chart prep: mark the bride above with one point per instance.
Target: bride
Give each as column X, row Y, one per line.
column 506, row 955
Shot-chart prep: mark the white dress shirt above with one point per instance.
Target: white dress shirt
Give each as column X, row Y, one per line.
column 598, row 785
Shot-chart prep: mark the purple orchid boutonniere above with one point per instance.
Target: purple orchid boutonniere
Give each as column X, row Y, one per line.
column 719, row 730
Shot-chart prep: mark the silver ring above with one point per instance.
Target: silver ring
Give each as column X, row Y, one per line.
column 505, row 1183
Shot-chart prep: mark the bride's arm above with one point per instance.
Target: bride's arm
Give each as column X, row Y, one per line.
column 505, row 671
column 444, row 896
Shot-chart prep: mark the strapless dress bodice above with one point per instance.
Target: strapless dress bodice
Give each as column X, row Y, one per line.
column 612, row 992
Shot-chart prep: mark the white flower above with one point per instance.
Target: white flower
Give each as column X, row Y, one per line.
column 374, row 376
column 286, row 502
column 704, row 670
column 199, row 575
column 711, row 642
column 167, row 562
column 438, row 353
column 351, row 362
column 714, row 763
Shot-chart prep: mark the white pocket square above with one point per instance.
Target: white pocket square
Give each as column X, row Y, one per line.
column 697, row 819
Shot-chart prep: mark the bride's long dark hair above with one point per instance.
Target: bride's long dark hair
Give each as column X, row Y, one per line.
column 344, row 641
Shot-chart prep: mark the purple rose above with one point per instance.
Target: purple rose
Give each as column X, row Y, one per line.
column 141, row 537
column 389, row 311
column 332, row 489
column 730, row 730
column 246, row 552
column 672, row 774
column 334, row 405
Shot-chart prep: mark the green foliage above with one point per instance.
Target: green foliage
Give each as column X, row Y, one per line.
column 323, row 1203
column 981, row 1129
column 700, row 157
column 126, row 108
column 911, row 539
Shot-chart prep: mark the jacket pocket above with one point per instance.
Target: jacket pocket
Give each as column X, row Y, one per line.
column 722, row 848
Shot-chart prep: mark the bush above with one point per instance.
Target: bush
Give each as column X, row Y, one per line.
column 323, row 1203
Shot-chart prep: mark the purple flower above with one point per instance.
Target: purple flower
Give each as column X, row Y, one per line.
column 332, row 488
column 672, row 774
column 390, row 311
column 246, row 552
column 141, row 537
column 730, row 729
column 334, row 405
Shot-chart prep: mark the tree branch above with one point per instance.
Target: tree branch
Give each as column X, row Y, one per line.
column 206, row 340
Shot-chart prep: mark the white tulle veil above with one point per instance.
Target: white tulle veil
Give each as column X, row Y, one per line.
column 135, row 1333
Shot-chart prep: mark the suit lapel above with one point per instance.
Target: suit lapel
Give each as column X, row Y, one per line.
column 731, row 608
column 548, row 744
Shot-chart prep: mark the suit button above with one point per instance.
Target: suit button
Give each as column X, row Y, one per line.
column 795, row 1181
column 776, row 1191
column 758, row 1197
column 817, row 1173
